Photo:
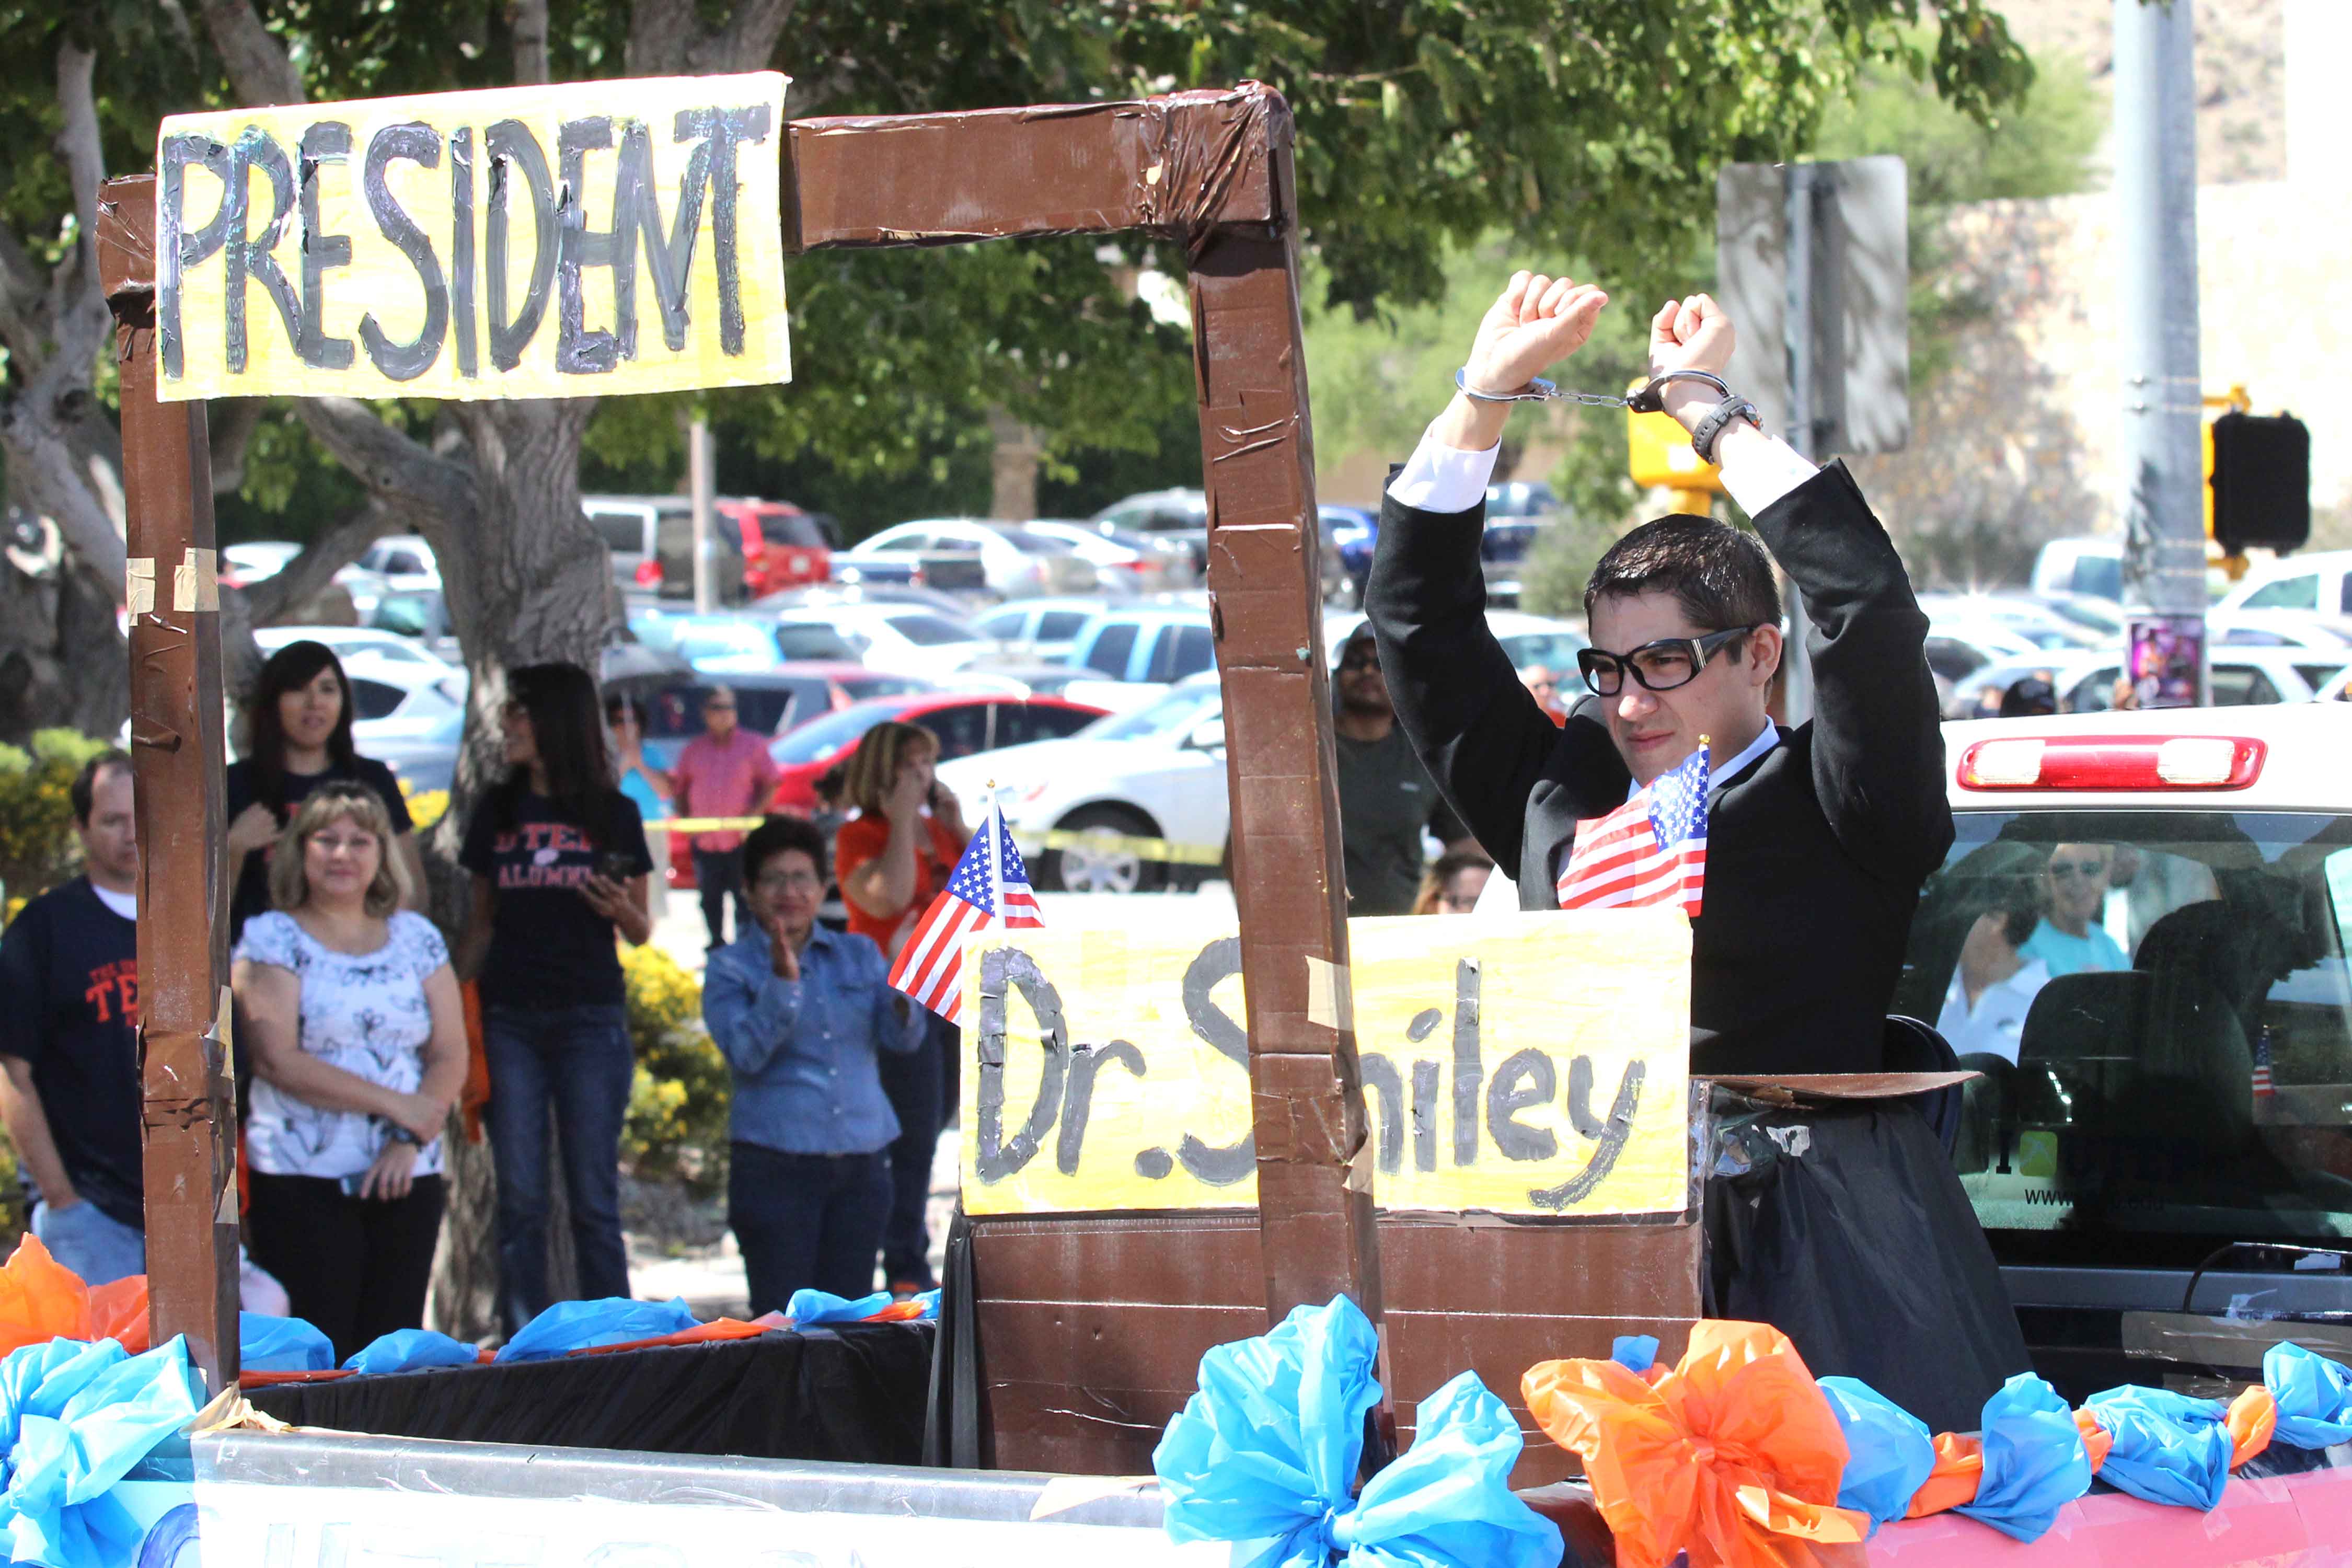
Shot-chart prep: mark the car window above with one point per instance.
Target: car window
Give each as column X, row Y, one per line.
column 1952, row 659
column 1173, row 714
column 405, row 560
column 764, row 710
column 719, row 641
column 2318, row 675
column 1060, row 626
column 861, row 687
column 820, row 740
column 2241, row 686
column 962, row 729
column 929, row 631
column 2160, row 1007
column 2095, row 692
column 2101, row 576
column 898, row 540
column 374, row 698
column 1030, row 543
column 807, row 639
column 1556, row 648
column 789, row 527
column 2300, row 592
column 1112, row 648
column 623, row 532
column 1009, row 625
column 674, row 713
column 1050, row 723
column 1196, row 650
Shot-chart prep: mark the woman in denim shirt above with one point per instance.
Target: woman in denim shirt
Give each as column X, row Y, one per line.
column 800, row 1013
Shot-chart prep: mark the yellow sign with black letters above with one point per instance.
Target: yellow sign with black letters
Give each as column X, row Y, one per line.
column 1517, row 1064
column 566, row 241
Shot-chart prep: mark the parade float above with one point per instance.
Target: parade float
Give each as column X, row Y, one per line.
column 1400, row 1258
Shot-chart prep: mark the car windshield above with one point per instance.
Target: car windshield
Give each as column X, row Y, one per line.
column 2159, row 1003
column 1177, row 714
column 822, row 738
column 1030, row 543
column 930, row 631
column 1557, row 650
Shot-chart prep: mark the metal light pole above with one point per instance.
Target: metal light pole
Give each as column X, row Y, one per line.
column 2156, row 200
column 1806, row 183
column 701, row 483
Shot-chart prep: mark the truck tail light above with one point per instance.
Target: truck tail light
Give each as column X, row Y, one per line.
column 2112, row 763
column 649, row 574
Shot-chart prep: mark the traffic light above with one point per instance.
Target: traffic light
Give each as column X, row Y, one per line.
column 2261, row 482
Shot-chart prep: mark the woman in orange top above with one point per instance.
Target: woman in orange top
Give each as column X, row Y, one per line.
column 891, row 860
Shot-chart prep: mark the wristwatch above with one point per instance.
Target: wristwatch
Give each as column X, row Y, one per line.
column 402, row 1135
column 1704, row 434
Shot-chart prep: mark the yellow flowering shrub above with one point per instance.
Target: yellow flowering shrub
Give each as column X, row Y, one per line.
column 426, row 807
column 676, row 1125
column 37, row 842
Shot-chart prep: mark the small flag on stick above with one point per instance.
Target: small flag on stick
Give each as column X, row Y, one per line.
column 1650, row 851
column 989, row 887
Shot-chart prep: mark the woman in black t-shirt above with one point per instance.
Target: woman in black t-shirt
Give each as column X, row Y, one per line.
column 559, row 861
column 300, row 723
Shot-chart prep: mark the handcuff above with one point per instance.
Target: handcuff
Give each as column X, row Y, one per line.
column 1647, row 399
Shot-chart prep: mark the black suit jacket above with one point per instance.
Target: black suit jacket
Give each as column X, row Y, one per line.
column 1815, row 852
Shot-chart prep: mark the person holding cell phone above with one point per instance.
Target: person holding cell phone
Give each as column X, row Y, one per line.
column 559, row 868
column 892, row 859
column 358, row 1036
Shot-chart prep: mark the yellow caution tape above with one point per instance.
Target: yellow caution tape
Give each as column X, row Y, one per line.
column 1100, row 841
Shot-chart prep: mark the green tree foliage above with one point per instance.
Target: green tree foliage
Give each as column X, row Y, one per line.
column 38, row 849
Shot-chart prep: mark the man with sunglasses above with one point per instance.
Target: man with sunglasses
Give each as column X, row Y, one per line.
column 1386, row 797
column 1818, row 839
column 2069, row 940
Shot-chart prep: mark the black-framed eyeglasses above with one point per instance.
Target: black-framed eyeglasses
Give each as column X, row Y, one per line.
column 1659, row 666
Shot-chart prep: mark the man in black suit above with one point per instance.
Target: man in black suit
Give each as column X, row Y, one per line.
column 1818, row 840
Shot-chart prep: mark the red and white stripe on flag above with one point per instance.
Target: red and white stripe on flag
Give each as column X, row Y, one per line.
column 1650, row 851
column 931, row 966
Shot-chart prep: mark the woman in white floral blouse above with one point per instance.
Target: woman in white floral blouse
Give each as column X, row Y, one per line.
column 358, row 1040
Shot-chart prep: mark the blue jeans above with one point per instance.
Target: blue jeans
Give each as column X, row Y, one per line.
column 806, row 1220
column 579, row 1061
column 913, row 1082
column 90, row 1242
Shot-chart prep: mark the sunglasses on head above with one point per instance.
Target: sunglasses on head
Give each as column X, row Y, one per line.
column 1659, row 666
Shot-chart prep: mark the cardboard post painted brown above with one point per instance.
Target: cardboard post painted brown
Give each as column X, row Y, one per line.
column 189, row 1120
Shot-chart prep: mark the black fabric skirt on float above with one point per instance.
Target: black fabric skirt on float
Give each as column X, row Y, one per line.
column 1845, row 1227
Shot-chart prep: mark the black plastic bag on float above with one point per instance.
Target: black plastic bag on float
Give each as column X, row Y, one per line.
column 1844, row 1226
column 951, row 1437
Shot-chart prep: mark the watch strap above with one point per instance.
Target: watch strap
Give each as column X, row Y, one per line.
column 1705, row 433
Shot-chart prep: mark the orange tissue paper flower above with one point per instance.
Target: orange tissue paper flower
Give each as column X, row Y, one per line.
column 1734, row 1456
column 2252, row 1418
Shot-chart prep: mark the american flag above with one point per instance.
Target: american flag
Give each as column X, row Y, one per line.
column 931, row 966
column 1650, row 851
column 2263, row 1085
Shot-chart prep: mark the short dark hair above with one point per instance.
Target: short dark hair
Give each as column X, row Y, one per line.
column 1717, row 573
column 774, row 836
column 85, row 782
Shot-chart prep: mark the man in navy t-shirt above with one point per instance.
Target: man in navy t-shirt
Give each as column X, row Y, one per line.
column 70, row 1041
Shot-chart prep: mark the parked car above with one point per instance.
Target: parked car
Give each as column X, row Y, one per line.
column 1013, row 563
column 1154, row 643
column 733, row 641
column 1955, row 654
column 396, row 698
column 784, row 547
column 967, row 723
column 906, row 639
column 1502, row 556
column 422, row 613
column 350, row 642
column 771, row 702
column 1047, row 629
column 2140, row 1123
column 2277, row 628
column 255, row 561
column 1157, row 773
column 423, row 760
column 840, row 592
column 1123, row 560
column 1520, row 498
column 1349, row 534
column 2084, row 682
column 1180, row 516
column 651, row 539
column 2028, row 618
column 405, row 561
column 2090, row 567
column 2321, row 583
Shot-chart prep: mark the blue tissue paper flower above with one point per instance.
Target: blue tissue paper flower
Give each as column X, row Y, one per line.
column 1889, row 1453
column 411, row 1349
column 1634, row 1353
column 809, row 1307
column 79, row 1416
column 2034, row 1463
column 2313, row 1395
column 1264, row 1455
column 281, row 1345
column 569, row 1326
column 2168, row 1447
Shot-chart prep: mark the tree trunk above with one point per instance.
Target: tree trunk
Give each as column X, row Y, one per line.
column 62, row 657
column 1018, row 453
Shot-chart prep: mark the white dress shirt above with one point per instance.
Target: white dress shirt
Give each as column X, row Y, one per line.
column 1440, row 478
column 1993, row 1025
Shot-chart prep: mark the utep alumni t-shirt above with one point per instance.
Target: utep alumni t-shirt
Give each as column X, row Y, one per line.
column 69, row 1005
column 548, row 948
column 252, row 895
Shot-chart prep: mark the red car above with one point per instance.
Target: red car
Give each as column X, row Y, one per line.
column 784, row 547
column 966, row 723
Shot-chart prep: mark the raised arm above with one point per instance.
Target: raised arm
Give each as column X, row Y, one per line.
column 1878, row 750
column 1480, row 734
